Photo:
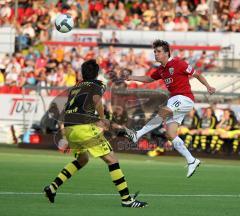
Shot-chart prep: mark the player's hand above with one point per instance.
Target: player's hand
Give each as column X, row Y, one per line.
column 211, row 90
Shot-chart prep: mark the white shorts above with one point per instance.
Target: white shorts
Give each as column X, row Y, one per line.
column 180, row 106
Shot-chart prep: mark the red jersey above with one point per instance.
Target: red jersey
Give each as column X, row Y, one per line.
column 176, row 77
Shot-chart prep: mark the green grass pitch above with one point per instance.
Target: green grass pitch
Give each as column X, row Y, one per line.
column 213, row 191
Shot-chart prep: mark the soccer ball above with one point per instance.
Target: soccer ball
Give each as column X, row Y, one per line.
column 64, row 23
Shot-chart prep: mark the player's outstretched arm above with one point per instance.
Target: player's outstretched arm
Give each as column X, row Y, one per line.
column 146, row 79
column 202, row 79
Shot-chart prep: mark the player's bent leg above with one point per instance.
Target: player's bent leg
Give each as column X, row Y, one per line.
column 66, row 173
column 151, row 125
column 118, row 179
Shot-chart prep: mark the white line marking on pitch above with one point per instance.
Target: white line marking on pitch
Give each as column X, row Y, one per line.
column 144, row 195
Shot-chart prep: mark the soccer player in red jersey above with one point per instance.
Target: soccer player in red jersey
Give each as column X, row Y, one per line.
column 175, row 73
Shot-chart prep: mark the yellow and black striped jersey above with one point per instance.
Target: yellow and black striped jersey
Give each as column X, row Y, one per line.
column 191, row 122
column 209, row 122
column 80, row 108
column 232, row 122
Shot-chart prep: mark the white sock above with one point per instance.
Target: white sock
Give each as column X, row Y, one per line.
column 182, row 149
column 151, row 125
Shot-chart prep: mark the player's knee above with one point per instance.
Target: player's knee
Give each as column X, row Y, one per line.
column 171, row 135
column 110, row 159
column 82, row 161
column 165, row 112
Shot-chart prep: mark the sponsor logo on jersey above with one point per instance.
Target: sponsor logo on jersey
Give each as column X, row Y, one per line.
column 171, row 71
column 189, row 69
column 168, row 81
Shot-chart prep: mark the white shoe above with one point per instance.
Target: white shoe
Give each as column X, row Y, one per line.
column 192, row 167
column 132, row 135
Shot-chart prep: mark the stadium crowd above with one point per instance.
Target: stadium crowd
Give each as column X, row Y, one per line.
column 35, row 17
column 58, row 66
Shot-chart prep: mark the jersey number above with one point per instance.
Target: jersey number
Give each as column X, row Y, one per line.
column 176, row 103
column 77, row 101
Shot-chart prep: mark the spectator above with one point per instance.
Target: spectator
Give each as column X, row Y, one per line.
column 12, row 76
column 150, row 15
column 181, row 24
column 194, row 21
column 70, row 78
column 120, row 13
column 189, row 127
column 31, row 79
column 182, row 8
column 28, row 30
column 100, row 38
column 149, row 12
column 2, row 79
column 114, row 39
column 202, row 8
column 5, row 12
column 110, row 10
column 59, row 51
column 13, row 64
column 216, row 24
column 227, row 123
column 204, row 23
column 101, row 23
column 206, row 126
column 135, row 21
column 169, row 24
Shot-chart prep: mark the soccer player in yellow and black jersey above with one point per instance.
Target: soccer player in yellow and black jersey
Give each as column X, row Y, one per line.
column 227, row 128
column 207, row 127
column 84, row 133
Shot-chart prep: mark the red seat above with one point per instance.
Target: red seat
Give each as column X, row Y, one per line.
column 5, row 89
column 132, row 85
column 143, row 144
column 54, row 92
column 15, row 90
column 35, row 139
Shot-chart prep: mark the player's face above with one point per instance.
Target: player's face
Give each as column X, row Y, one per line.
column 160, row 55
column 209, row 113
column 226, row 114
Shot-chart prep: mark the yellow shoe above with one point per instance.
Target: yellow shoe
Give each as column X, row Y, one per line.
column 152, row 153
column 157, row 151
column 160, row 150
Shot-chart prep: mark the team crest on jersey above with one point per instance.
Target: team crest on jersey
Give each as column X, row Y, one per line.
column 171, row 71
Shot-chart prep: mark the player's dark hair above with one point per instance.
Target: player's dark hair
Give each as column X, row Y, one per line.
column 90, row 70
column 163, row 44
